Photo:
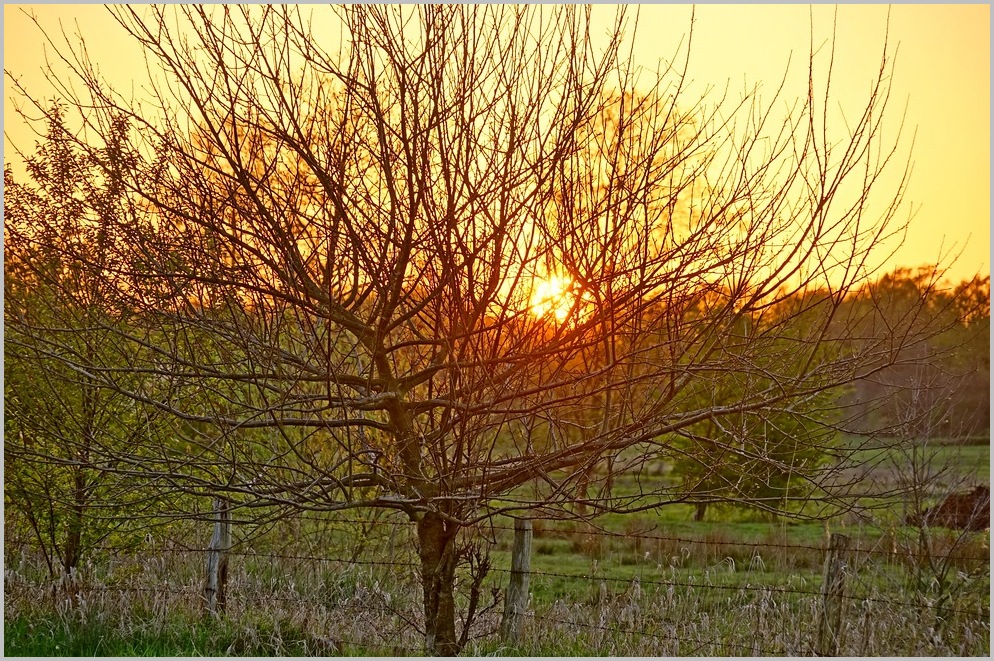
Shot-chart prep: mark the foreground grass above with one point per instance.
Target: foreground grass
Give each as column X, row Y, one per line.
column 628, row 622
column 177, row 634
column 722, row 597
column 54, row 636
column 653, row 584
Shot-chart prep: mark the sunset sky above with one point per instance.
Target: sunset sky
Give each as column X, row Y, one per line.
column 942, row 76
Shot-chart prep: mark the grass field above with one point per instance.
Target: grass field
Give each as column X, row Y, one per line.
column 953, row 464
column 656, row 583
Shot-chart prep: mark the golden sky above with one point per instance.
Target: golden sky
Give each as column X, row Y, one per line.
column 942, row 77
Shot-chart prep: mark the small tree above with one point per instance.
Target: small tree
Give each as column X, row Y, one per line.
column 947, row 563
column 332, row 260
column 63, row 431
column 766, row 459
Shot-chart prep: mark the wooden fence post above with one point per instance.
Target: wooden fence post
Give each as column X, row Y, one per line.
column 216, row 584
column 516, row 598
column 833, row 595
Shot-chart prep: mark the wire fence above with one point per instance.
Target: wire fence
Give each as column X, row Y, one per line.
column 369, row 601
column 181, row 548
column 697, row 541
column 635, row 579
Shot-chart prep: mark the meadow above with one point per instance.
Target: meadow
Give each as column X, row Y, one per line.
column 647, row 584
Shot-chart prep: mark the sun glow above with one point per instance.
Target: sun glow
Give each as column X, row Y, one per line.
column 553, row 296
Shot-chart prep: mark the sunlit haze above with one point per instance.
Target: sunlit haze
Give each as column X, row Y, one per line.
column 553, row 296
column 940, row 89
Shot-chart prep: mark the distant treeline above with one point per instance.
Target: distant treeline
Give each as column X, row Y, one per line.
column 940, row 388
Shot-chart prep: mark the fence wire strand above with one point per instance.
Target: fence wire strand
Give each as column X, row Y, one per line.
column 242, row 590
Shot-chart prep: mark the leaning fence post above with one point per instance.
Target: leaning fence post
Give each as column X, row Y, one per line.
column 833, row 597
column 516, row 598
column 217, row 558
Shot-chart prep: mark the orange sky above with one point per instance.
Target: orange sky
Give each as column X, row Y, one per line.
column 942, row 75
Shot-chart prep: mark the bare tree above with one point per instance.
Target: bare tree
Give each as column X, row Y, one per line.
column 62, row 429
column 333, row 257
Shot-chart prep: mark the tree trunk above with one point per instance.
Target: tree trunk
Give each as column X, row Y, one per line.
column 438, row 569
column 73, row 548
column 702, row 508
column 74, row 534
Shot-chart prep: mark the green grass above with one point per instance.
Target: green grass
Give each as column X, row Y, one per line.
column 949, row 465
column 175, row 634
column 696, row 592
column 698, row 599
column 53, row 636
column 721, row 553
column 968, row 460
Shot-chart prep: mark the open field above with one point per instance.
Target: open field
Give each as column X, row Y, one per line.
column 653, row 583
column 708, row 598
column 953, row 464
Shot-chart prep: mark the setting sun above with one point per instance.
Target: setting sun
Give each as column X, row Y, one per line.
column 555, row 295
column 552, row 296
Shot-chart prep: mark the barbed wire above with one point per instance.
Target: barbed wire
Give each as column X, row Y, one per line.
column 627, row 580
column 193, row 550
column 726, row 542
column 534, row 572
column 239, row 593
column 600, row 532
column 721, row 586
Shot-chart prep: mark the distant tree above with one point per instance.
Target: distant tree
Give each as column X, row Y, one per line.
column 970, row 360
column 763, row 460
column 329, row 253
column 949, row 378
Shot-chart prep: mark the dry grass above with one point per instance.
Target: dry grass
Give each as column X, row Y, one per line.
column 741, row 603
